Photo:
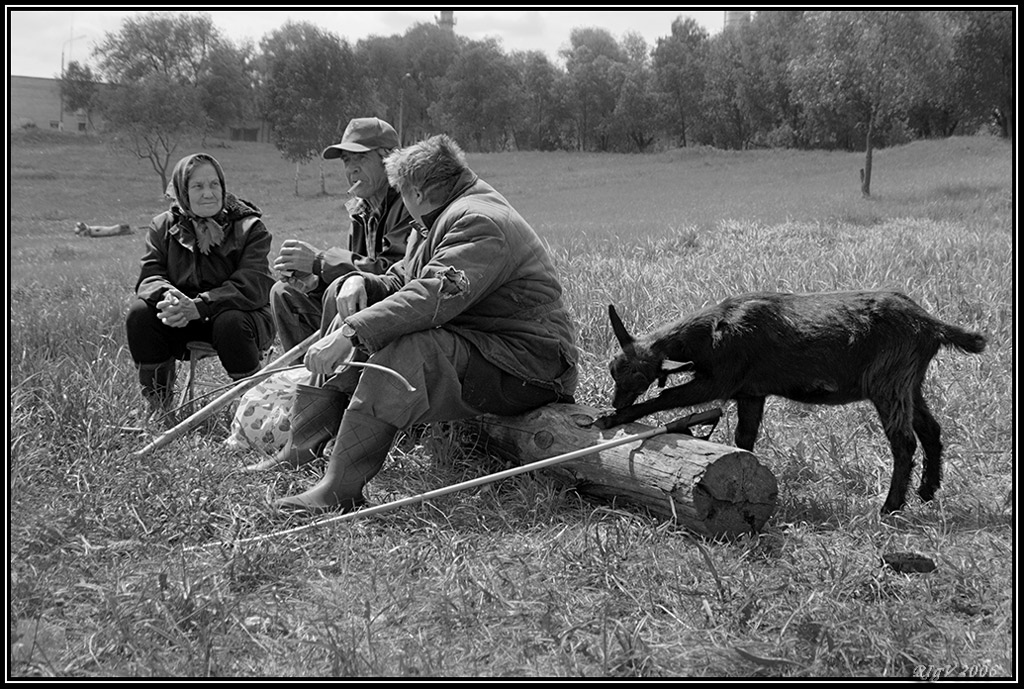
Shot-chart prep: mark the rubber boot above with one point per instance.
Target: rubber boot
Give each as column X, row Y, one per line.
column 359, row 453
column 157, row 382
column 315, row 417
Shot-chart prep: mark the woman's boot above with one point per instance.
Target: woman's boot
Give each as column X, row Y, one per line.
column 157, row 382
column 315, row 416
column 359, row 452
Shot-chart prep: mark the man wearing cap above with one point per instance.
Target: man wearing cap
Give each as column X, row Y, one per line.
column 302, row 303
column 380, row 227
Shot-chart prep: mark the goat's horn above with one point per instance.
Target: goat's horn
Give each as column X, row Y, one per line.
column 676, row 366
column 624, row 338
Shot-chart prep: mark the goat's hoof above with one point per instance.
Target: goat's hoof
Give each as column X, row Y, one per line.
column 606, row 422
column 927, row 492
column 889, row 509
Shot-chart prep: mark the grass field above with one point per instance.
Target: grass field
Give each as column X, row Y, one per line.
column 521, row 579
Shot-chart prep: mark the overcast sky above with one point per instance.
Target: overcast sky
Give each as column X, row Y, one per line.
column 38, row 37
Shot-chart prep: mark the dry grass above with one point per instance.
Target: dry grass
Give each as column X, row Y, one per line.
column 520, row 579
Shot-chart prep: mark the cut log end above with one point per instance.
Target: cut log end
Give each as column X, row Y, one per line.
column 736, row 494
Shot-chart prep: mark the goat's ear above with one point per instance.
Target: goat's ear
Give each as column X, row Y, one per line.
column 625, row 339
column 668, row 367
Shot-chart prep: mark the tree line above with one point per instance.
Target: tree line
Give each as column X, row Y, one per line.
column 847, row 80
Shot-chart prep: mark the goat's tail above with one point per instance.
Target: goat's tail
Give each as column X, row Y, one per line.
column 964, row 340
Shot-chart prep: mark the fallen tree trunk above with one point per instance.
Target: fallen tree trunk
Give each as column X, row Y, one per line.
column 713, row 489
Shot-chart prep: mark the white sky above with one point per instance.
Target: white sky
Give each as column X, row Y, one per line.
column 38, row 37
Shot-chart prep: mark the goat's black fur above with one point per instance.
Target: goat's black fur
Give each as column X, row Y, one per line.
column 820, row 348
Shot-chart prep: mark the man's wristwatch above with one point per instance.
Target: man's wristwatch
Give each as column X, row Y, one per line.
column 349, row 332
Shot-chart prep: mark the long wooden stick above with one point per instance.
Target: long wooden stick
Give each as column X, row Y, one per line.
column 216, row 405
column 677, row 426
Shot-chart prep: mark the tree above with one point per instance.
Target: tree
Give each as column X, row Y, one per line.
column 383, row 60
column 873, row 63
column 985, row 65
column 312, row 89
column 176, row 46
column 679, row 72
column 727, row 122
column 178, row 56
column 595, row 64
column 430, row 51
column 636, row 111
column 78, row 89
column 938, row 110
column 541, row 116
column 479, row 96
column 150, row 118
column 227, row 90
column 186, row 49
column 767, row 45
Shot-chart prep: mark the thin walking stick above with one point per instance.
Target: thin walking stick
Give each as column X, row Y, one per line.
column 677, row 426
column 260, row 375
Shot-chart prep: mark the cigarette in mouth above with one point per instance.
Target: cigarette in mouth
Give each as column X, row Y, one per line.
column 352, row 189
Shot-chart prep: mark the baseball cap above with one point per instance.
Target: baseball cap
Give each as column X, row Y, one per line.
column 364, row 134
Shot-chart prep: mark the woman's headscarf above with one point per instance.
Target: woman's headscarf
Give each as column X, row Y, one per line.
column 209, row 231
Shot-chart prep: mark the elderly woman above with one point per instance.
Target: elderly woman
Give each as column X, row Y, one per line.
column 205, row 276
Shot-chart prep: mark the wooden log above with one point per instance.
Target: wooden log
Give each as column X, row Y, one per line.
column 715, row 490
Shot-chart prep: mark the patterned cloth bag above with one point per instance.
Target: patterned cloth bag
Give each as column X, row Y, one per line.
column 263, row 417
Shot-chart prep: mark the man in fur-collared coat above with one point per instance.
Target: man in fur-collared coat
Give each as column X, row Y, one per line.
column 472, row 317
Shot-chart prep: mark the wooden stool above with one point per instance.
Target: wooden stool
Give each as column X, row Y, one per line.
column 195, row 352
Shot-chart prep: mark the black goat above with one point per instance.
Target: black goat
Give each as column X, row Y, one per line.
column 820, row 348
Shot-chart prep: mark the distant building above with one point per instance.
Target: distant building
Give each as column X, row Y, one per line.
column 35, row 102
column 735, row 18
column 446, row 20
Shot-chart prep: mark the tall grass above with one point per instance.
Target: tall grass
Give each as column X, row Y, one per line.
column 521, row 578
